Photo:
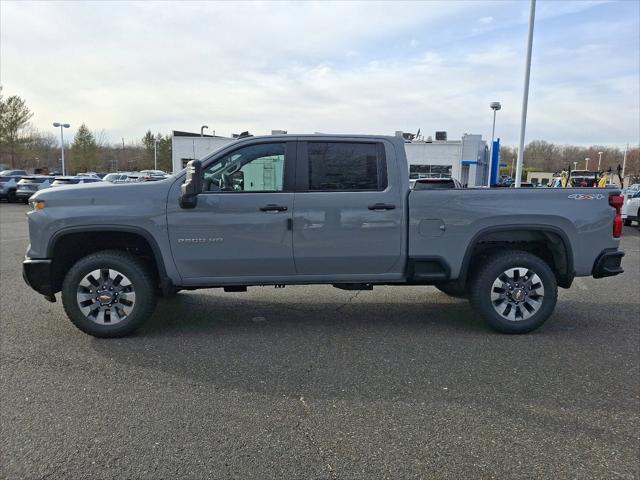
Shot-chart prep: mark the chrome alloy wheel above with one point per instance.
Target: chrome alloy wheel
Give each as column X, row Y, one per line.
column 106, row 296
column 517, row 294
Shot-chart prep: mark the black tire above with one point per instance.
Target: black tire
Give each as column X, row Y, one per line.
column 452, row 289
column 11, row 196
column 142, row 282
column 482, row 286
column 25, row 201
column 627, row 222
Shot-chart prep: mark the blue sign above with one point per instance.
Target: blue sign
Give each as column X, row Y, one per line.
column 495, row 163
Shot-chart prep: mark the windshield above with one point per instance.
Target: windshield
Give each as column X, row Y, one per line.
column 5, row 179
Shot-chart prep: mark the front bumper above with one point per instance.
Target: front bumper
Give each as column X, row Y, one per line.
column 37, row 273
column 608, row 263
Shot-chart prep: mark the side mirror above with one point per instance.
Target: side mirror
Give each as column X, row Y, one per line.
column 192, row 185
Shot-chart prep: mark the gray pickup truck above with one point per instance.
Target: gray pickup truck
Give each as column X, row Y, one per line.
column 314, row 209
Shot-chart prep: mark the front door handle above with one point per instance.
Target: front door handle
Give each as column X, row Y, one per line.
column 273, row 208
column 382, row 206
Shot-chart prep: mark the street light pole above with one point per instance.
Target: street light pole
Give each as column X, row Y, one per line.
column 495, row 106
column 599, row 159
column 62, row 125
column 575, row 165
column 525, row 95
column 155, row 154
column 586, row 163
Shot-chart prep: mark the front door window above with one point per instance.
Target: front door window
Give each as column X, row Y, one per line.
column 256, row 168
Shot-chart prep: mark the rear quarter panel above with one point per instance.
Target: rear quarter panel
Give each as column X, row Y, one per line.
column 584, row 215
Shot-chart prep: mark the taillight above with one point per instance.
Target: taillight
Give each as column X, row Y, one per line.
column 616, row 201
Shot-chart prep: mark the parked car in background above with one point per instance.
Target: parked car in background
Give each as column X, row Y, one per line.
column 89, row 174
column 13, row 173
column 631, row 208
column 133, row 177
column 153, row 172
column 435, row 183
column 8, row 188
column 523, row 185
column 62, row 181
column 152, row 175
column 27, row 186
column 505, row 180
column 117, row 177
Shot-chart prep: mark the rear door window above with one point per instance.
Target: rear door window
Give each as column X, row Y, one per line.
column 345, row 166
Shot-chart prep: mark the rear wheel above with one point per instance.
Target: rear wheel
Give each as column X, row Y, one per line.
column 514, row 291
column 109, row 293
column 627, row 222
column 11, row 196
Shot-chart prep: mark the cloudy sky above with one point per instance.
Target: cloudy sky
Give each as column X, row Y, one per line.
column 327, row 67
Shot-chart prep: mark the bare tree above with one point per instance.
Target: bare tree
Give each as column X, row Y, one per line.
column 14, row 117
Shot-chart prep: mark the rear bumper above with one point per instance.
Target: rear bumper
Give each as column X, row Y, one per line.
column 37, row 273
column 608, row 263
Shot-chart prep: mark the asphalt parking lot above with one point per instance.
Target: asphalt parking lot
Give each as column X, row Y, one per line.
column 315, row 382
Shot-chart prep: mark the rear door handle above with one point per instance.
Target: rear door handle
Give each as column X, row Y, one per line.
column 273, row 208
column 382, row 206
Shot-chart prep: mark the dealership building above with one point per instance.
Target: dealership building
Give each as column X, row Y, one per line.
column 465, row 159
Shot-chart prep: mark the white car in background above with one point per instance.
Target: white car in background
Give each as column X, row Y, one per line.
column 631, row 207
column 68, row 180
column 89, row 174
column 29, row 185
column 116, row 177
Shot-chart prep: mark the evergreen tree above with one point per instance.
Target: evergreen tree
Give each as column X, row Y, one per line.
column 84, row 151
column 148, row 142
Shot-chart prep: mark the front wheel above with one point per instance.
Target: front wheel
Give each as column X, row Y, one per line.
column 109, row 293
column 514, row 291
column 11, row 196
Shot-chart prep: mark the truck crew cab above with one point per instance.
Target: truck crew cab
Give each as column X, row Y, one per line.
column 314, row 209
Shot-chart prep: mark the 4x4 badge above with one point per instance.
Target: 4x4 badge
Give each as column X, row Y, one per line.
column 586, row 196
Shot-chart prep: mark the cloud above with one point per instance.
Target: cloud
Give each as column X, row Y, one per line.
column 336, row 67
column 485, row 20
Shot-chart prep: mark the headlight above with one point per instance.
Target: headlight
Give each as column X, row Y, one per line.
column 37, row 204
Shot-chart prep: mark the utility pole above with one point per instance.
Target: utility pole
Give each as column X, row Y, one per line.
column 624, row 163
column 62, row 125
column 155, row 154
column 599, row 160
column 525, row 94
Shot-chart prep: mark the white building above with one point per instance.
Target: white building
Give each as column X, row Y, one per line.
column 186, row 146
column 465, row 160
